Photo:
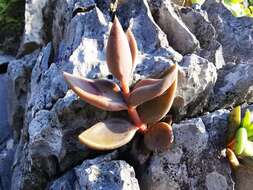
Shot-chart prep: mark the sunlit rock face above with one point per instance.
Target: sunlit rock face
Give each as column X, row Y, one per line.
column 195, row 161
column 235, row 34
column 41, row 150
column 101, row 173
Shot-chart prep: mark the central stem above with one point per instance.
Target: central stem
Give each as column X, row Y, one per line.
column 132, row 110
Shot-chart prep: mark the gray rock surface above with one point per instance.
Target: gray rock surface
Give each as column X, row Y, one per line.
column 195, row 161
column 191, row 135
column 19, row 72
column 5, row 131
column 5, row 58
column 179, row 36
column 46, row 21
column 198, row 23
column 235, row 34
column 6, row 142
column 195, row 83
column 100, row 173
column 234, row 86
column 7, row 151
column 216, row 181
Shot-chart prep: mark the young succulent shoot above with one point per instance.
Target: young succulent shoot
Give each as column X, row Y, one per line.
column 239, row 138
column 147, row 103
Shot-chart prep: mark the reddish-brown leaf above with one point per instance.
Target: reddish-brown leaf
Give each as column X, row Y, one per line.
column 158, row 137
column 154, row 110
column 133, row 45
column 118, row 53
column 103, row 94
column 145, row 82
column 107, row 135
column 152, row 88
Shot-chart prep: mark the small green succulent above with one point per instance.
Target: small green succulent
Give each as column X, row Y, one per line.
column 239, row 8
column 239, row 138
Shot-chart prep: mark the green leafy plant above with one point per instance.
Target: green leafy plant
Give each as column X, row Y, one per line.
column 239, row 8
column 7, row 13
column 147, row 102
column 11, row 23
column 239, row 138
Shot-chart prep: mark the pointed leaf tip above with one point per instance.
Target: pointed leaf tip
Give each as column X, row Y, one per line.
column 152, row 88
column 118, row 53
column 103, row 94
column 232, row 158
column 133, row 46
column 108, row 135
column 158, row 137
column 241, row 140
column 246, row 119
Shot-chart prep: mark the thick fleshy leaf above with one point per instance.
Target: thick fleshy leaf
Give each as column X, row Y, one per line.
column 158, row 137
column 118, row 53
column 234, row 121
column 145, row 82
column 248, row 150
column 108, row 135
column 250, row 131
column 146, row 92
column 103, row 94
column 155, row 109
column 133, row 45
column 241, row 138
column 246, row 119
column 232, row 158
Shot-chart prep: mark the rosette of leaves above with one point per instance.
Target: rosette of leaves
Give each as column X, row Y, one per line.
column 239, row 139
column 147, row 102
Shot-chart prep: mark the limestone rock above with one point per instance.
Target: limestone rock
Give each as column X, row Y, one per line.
column 6, row 160
column 46, row 21
column 19, row 72
column 216, row 181
column 235, row 34
column 195, row 161
column 5, row 131
column 179, row 36
column 34, row 33
column 198, row 23
column 100, row 173
column 7, row 148
column 195, row 83
column 234, row 86
column 191, row 135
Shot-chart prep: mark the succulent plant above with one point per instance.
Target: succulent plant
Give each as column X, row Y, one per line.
column 239, row 139
column 147, row 103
